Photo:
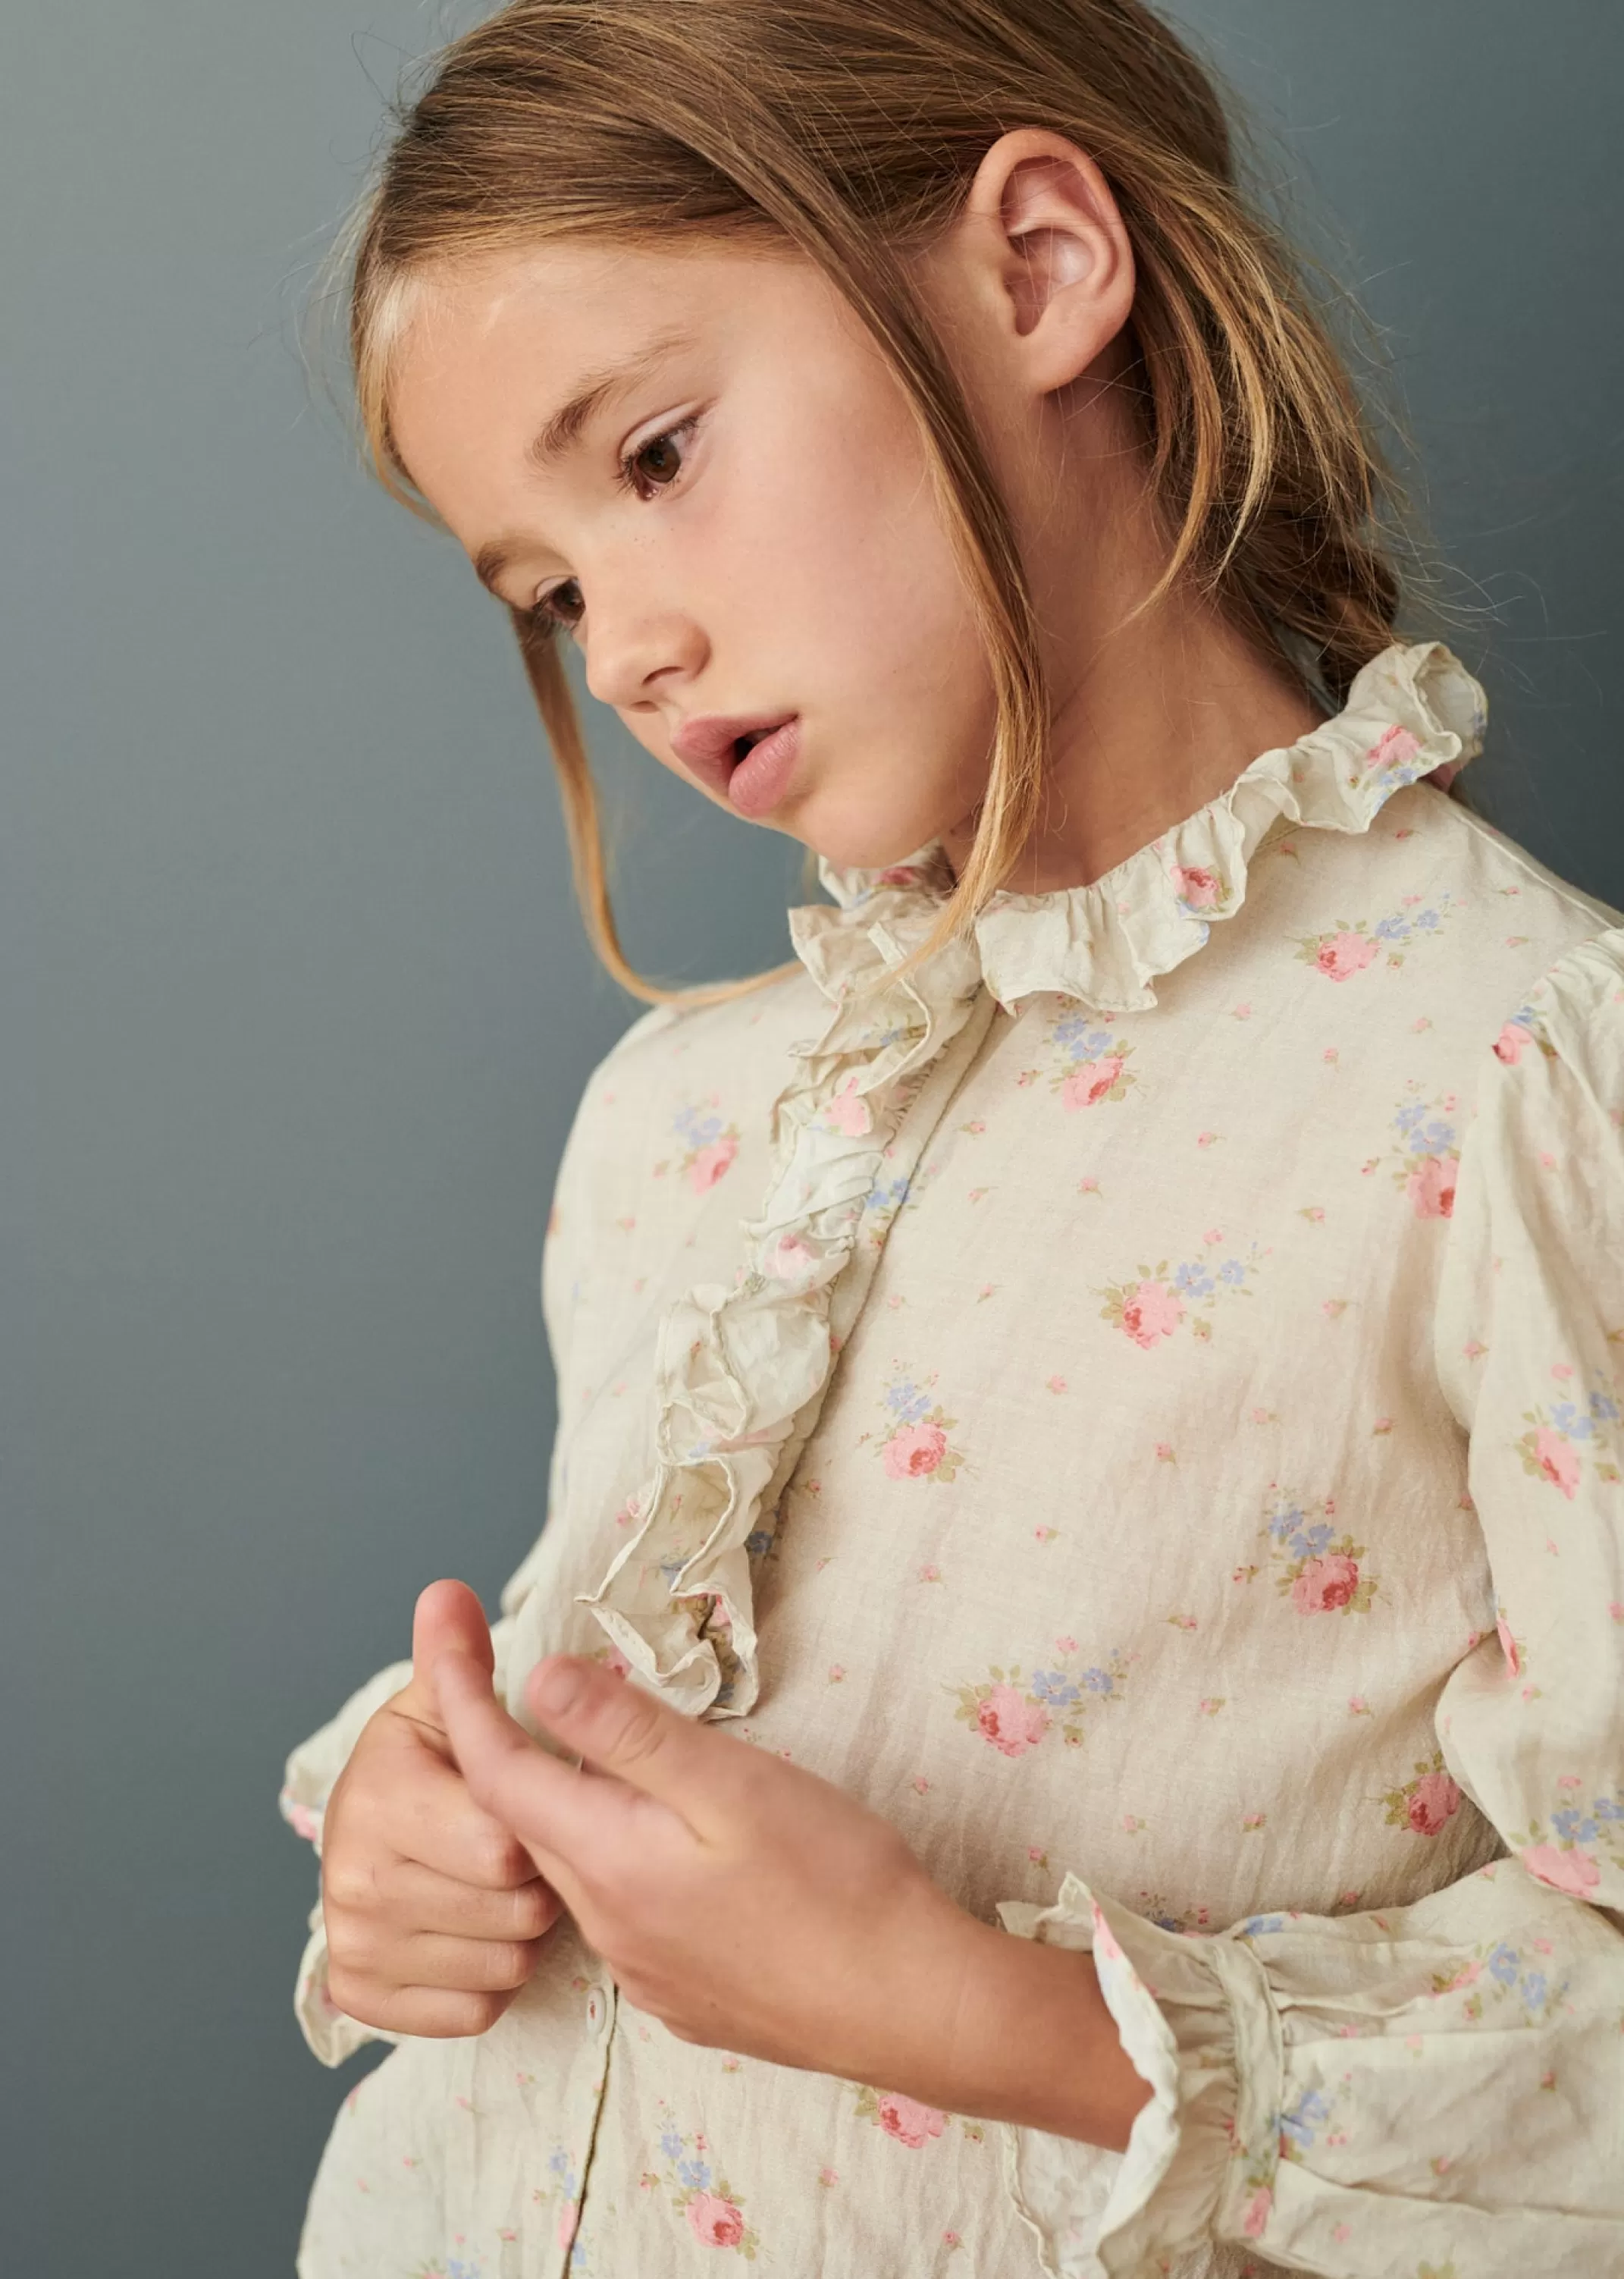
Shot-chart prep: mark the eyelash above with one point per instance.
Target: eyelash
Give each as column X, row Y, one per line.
column 543, row 614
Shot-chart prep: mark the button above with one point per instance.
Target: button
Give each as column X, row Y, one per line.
column 597, row 2012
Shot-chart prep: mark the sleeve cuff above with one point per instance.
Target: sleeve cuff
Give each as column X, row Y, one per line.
column 1195, row 2017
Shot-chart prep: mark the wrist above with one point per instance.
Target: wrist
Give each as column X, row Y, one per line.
column 1020, row 2031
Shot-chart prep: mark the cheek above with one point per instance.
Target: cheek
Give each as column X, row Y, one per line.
column 858, row 574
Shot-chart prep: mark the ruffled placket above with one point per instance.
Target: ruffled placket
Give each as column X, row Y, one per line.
column 741, row 1373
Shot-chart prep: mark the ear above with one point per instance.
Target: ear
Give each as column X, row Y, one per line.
column 1049, row 247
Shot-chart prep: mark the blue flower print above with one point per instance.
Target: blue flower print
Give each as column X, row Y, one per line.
column 908, row 1402
column 1054, row 1687
column 1504, row 1964
column 1092, row 1063
column 1306, row 2116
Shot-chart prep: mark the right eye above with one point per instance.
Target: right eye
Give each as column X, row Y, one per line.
column 550, row 611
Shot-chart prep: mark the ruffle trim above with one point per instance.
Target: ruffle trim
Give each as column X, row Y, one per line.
column 1414, row 710
column 740, row 1373
column 1202, row 2145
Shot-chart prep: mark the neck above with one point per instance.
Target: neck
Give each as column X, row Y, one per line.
column 1150, row 724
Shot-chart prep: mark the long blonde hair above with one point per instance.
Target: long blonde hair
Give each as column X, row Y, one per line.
column 849, row 130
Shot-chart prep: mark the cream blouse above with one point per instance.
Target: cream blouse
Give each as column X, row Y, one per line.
column 1160, row 1448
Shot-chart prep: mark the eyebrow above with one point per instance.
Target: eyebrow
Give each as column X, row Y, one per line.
column 559, row 435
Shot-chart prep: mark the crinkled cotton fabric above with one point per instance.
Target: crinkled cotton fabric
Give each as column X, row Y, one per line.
column 1136, row 1401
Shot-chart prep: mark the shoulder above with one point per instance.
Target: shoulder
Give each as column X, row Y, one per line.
column 1434, row 887
column 673, row 1057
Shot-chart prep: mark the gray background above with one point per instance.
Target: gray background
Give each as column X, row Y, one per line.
column 295, row 1005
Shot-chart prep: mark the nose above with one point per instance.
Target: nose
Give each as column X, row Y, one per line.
column 636, row 651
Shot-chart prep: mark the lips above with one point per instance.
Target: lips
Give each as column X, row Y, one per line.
column 713, row 743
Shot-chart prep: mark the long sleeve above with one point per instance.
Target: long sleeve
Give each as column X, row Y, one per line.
column 1440, row 2088
column 314, row 1767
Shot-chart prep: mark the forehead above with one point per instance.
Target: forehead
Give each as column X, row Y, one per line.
column 494, row 338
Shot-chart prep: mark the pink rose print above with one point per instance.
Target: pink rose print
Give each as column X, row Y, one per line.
column 1508, row 1646
column 1428, row 1155
column 700, row 2193
column 1573, row 1872
column 1556, row 1461
column 914, row 1452
column 1197, row 888
column 715, row 2222
column 1152, row 1307
column 1509, row 1046
column 907, row 2121
column 1093, row 1062
column 1325, row 1584
column 1350, row 949
column 1319, row 1570
column 1013, row 1715
column 1013, row 1725
column 848, row 1112
column 1552, row 1449
column 1092, row 1082
column 711, row 1145
column 1393, row 748
column 1256, row 2213
column 569, row 2216
column 1342, row 955
column 710, row 1162
column 1431, row 1187
column 1427, row 1804
column 916, row 1445
column 1151, row 1313
column 300, row 1818
column 1433, row 1799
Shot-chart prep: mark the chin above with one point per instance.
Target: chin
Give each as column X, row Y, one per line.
column 867, row 842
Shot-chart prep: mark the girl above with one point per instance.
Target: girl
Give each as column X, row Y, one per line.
column 1065, row 1717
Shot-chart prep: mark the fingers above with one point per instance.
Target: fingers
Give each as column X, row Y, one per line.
column 561, row 1813
column 448, row 1616
column 622, row 1728
column 415, row 1806
column 434, row 1902
column 440, row 2013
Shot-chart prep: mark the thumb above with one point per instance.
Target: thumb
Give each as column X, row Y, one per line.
column 449, row 1618
column 618, row 1727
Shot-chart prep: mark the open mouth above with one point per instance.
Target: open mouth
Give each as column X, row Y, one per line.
column 753, row 736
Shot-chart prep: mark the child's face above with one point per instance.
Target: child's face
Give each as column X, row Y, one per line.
column 781, row 555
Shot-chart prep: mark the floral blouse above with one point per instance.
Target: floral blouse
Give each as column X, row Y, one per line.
column 1138, row 1404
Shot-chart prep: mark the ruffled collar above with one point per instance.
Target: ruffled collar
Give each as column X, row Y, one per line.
column 1411, row 711
column 741, row 1368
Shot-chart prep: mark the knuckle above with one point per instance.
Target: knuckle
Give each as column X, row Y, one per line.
column 507, row 1963
column 347, row 1881
column 500, row 1860
column 535, row 1908
column 636, row 1730
column 476, row 2014
column 353, row 1995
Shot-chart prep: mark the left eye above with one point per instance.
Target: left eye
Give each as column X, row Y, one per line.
column 667, row 472
column 662, row 448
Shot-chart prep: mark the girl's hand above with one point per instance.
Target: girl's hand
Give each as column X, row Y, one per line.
column 434, row 1912
column 746, row 1903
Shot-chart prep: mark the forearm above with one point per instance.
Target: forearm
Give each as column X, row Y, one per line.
column 1019, row 2031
